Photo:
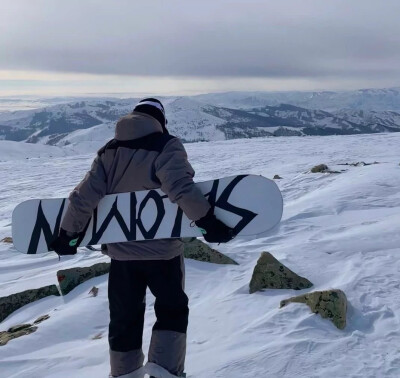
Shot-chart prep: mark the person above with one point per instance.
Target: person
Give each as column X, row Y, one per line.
column 143, row 156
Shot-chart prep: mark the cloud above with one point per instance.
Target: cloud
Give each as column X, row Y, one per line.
column 288, row 39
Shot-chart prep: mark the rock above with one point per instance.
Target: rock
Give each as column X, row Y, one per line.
column 98, row 336
column 41, row 319
column 322, row 168
column 94, row 291
column 15, row 332
column 277, row 177
column 319, row 168
column 197, row 250
column 269, row 273
column 71, row 278
column 7, row 239
column 19, row 327
column 331, row 304
column 360, row 164
column 13, row 302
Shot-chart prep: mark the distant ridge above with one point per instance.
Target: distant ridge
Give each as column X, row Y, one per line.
column 215, row 116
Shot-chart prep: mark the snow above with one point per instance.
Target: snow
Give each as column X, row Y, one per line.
column 10, row 150
column 338, row 230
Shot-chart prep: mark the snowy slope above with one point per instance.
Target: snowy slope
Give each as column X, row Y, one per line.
column 340, row 231
column 88, row 139
column 10, row 150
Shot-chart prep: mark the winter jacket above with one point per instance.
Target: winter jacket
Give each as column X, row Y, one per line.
column 140, row 157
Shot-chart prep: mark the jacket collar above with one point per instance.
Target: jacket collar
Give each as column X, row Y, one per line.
column 136, row 125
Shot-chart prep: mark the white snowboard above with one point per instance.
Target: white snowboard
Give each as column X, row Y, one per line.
column 250, row 204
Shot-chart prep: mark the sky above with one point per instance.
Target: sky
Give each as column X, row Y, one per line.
column 54, row 47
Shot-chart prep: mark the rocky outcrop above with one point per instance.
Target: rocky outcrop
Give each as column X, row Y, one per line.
column 71, row 278
column 21, row 330
column 15, row 332
column 13, row 302
column 7, row 239
column 197, row 250
column 269, row 273
column 331, row 304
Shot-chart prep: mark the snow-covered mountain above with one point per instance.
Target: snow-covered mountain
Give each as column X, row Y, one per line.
column 191, row 119
column 49, row 125
column 379, row 121
column 363, row 99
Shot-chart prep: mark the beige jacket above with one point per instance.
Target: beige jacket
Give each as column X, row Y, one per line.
column 140, row 157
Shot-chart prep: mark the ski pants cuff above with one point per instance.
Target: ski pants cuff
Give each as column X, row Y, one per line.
column 125, row 362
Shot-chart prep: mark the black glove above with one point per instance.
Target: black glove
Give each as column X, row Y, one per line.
column 66, row 242
column 213, row 230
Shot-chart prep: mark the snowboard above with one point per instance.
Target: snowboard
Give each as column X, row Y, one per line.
column 248, row 203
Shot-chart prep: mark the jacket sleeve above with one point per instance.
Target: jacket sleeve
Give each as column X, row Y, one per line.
column 176, row 176
column 85, row 197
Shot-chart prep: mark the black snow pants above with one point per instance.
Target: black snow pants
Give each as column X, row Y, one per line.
column 128, row 281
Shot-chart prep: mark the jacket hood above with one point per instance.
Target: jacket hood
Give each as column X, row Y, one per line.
column 136, row 125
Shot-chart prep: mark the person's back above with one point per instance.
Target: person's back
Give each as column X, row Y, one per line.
column 144, row 156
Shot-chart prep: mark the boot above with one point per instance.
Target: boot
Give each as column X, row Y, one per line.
column 138, row 373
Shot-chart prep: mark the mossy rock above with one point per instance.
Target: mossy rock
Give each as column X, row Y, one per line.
column 41, row 319
column 69, row 279
column 15, row 332
column 13, row 302
column 331, row 304
column 197, row 250
column 269, row 273
column 321, row 168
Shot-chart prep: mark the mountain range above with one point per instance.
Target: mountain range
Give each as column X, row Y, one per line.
column 213, row 116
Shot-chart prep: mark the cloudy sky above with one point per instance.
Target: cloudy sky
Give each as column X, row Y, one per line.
column 180, row 47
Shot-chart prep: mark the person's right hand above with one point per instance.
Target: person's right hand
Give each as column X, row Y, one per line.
column 66, row 242
column 213, row 230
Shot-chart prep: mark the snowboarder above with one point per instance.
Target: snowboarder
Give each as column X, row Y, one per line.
column 142, row 156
